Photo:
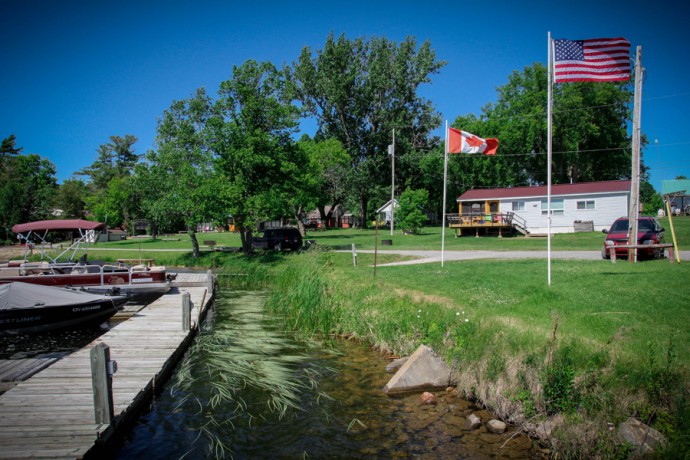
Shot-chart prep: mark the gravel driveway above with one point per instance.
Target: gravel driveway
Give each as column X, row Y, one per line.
column 435, row 256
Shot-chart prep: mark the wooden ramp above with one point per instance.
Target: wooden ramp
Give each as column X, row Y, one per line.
column 51, row 415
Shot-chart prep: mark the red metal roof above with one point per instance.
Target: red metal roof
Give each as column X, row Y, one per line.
column 54, row 225
column 581, row 188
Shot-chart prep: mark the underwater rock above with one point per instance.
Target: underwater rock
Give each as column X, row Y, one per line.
column 428, row 398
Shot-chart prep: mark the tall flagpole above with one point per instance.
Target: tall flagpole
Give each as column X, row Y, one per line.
column 392, row 153
column 445, row 174
column 549, row 110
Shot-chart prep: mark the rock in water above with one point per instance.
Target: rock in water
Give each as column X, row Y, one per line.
column 428, row 398
column 423, row 370
column 496, row 426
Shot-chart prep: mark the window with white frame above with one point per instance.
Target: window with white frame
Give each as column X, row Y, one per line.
column 556, row 206
column 518, row 205
column 585, row 205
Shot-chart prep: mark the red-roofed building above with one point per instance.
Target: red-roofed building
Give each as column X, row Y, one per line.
column 525, row 208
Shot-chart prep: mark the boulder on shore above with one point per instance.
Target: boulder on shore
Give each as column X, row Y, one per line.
column 423, row 370
column 640, row 435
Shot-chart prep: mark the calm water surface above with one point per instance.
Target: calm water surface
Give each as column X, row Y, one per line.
column 245, row 391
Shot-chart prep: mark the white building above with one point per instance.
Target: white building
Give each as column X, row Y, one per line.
column 594, row 204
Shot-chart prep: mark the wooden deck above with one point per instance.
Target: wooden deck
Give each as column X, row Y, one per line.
column 51, row 415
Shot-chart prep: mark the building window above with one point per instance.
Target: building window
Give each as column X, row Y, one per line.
column 518, row 205
column 583, row 205
column 556, row 206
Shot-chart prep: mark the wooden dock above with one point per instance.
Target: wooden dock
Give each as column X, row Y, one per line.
column 51, row 415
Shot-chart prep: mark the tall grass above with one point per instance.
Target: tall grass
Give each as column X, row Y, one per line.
column 581, row 345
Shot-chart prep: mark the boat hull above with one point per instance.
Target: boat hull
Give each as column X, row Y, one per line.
column 136, row 285
column 29, row 309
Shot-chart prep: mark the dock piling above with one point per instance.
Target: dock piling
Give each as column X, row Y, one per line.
column 102, row 370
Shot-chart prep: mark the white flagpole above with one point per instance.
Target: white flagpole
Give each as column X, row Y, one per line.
column 445, row 174
column 549, row 110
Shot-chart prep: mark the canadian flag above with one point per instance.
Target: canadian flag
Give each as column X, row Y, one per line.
column 464, row 142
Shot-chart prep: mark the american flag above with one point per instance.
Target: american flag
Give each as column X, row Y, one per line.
column 597, row 59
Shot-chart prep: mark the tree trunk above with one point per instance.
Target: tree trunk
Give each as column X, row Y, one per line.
column 363, row 204
column 195, row 242
column 299, row 217
column 246, row 238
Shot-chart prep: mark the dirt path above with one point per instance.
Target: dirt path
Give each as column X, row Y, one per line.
column 10, row 252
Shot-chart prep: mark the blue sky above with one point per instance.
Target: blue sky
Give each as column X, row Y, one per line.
column 77, row 72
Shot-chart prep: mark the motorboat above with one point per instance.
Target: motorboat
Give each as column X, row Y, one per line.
column 138, row 282
column 29, row 308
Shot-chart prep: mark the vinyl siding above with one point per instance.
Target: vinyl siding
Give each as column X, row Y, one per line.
column 608, row 207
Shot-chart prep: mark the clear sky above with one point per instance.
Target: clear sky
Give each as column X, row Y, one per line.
column 77, row 72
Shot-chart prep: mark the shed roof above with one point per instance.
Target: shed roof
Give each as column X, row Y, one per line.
column 581, row 188
column 675, row 186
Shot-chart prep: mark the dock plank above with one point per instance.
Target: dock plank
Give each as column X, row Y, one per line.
column 51, row 414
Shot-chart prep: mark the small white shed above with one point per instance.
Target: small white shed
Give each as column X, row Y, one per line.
column 384, row 212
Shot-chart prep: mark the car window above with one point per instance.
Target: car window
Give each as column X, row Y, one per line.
column 619, row 226
column 645, row 225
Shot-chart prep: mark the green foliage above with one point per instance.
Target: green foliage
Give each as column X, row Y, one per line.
column 324, row 179
column 70, row 198
column 178, row 181
column 27, row 187
column 410, row 214
column 360, row 90
column 495, row 367
column 661, row 381
column 558, row 383
column 260, row 165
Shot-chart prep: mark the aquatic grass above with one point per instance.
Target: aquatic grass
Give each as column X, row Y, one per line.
column 243, row 351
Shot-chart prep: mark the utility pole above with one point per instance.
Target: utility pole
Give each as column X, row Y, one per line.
column 391, row 152
column 635, row 173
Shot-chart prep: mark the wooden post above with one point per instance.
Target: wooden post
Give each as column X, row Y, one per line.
column 102, row 370
column 210, row 280
column 354, row 255
column 186, row 311
column 613, row 254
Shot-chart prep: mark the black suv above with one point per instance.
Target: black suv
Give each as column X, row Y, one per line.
column 278, row 239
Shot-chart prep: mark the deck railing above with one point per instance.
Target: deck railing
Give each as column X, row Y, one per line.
column 474, row 219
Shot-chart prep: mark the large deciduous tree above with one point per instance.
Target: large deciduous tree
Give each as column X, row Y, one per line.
column 360, row 90
column 27, row 187
column 324, row 182
column 177, row 181
column 250, row 132
column 70, row 198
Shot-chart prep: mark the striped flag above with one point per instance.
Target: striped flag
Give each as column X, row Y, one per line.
column 597, row 59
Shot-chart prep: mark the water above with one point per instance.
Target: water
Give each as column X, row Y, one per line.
column 245, row 390
column 53, row 344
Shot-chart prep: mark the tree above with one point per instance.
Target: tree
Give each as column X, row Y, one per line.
column 27, row 188
column 108, row 196
column 250, row 133
column 359, row 90
column 115, row 159
column 410, row 214
column 8, row 149
column 178, row 181
column 70, row 199
column 324, row 182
